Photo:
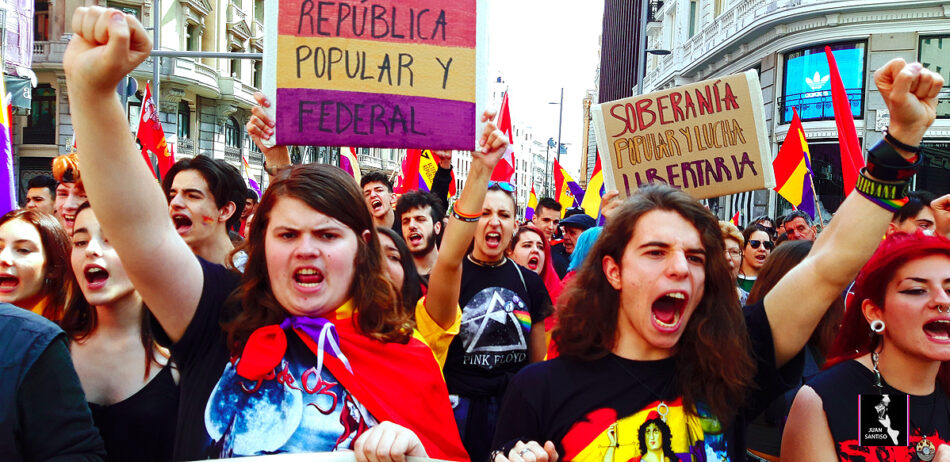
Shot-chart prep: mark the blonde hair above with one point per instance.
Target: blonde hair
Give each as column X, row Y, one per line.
column 730, row 231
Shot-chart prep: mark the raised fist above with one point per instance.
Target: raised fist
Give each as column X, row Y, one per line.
column 910, row 92
column 107, row 45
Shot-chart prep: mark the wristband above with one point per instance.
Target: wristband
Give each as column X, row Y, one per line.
column 889, row 196
column 891, row 205
column 468, row 218
column 270, row 170
column 894, row 141
column 886, row 164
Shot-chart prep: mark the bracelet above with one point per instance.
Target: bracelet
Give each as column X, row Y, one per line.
column 468, row 218
column 886, row 164
column 894, row 141
column 270, row 170
column 891, row 205
column 889, row 196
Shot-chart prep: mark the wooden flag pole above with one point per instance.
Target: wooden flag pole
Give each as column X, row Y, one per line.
column 814, row 193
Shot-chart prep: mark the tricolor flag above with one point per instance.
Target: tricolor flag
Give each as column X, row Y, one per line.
column 418, row 172
column 532, row 204
column 852, row 159
column 152, row 135
column 250, row 181
column 349, row 163
column 792, row 166
column 7, row 195
column 505, row 169
column 595, row 191
column 735, row 220
column 563, row 188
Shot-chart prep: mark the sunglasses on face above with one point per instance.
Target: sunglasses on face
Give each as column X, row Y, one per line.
column 769, row 245
column 504, row 185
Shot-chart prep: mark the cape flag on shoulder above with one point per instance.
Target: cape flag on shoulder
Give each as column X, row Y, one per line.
column 7, row 195
column 565, row 188
column 792, row 166
column 532, row 204
column 505, row 169
column 595, row 191
column 418, row 172
column 852, row 158
column 350, row 164
column 152, row 135
column 250, row 181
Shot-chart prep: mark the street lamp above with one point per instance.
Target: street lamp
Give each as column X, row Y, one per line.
column 641, row 62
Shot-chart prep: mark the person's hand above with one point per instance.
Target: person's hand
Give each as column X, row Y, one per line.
column 491, row 145
column 941, row 209
column 609, row 203
column 388, row 442
column 529, row 452
column 910, row 92
column 261, row 127
column 443, row 158
column 942, row 454
column 107, row 45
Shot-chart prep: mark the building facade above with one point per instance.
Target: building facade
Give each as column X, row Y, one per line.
column 784, row 41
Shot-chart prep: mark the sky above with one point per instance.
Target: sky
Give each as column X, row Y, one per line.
column 538, row 47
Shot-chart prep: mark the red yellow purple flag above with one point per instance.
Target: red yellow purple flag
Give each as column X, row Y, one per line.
column 792, row 167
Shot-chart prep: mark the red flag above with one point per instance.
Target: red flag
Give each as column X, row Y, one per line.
column 408, row 179
column 735, row 219
column 852, row 159
column 505, row 169
column 151, row 134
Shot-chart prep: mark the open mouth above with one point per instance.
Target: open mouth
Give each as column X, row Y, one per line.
column 668, row 311
column 533, row 263
column 493, row 240
column 96, row 277
column 8, row 283
column 938, row 330
column 182, row 223
column 69, row 219
column 415, row 239
column 308, row 278
column 376, row 204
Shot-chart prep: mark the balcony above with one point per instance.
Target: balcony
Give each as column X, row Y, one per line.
column 816, row 105
column 202, row 78
column 185, row 146
column 49, row 52
column 232, row 154
column 234, row 87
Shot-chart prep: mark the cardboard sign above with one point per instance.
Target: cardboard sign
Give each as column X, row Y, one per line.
column 708, row 138
column 386, row 73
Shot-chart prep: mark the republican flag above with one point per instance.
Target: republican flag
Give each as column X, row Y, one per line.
column 792, row 166
column 563, row 189
column 532, row 204
column 505, row 169
column 735, row 220
column 250, row 181
column 418, row 172
column 349, row 163
column 852, row 159
column 595, row 191
column 7, row 196
column 152, row 136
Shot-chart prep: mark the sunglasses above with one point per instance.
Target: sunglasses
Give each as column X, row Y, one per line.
column 769, row 245
column 504, row 185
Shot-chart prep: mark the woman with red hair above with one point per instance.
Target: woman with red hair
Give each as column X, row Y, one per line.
column 894, row 341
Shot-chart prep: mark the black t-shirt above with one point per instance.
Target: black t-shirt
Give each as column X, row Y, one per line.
column 839, row 388
column 598, row 410
column 499, row 306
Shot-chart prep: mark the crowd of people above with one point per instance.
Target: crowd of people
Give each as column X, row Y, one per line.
column 195, row 320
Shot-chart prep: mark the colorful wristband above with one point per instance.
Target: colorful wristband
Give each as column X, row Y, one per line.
column 891, row 205
column 470, row 218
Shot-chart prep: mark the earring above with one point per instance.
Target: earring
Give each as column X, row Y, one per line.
column 877, row 326
column 943, row 309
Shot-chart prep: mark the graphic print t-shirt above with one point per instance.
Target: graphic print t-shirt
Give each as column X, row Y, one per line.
column 498, row 310
column 839, row 388
column 615, row 409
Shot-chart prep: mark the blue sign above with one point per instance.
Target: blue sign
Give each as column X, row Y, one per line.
column 808, row 83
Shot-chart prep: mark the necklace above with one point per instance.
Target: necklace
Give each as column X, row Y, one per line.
column 488, row 264
column 663, row 409
column 925, row 448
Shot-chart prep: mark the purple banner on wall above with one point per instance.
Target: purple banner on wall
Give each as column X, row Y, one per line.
column 342, row 118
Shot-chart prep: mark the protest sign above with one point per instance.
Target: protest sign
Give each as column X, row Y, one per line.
column 386, row 73
column 708, row 138
column 339, row 456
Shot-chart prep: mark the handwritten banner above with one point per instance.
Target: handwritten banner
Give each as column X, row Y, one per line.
column 708, row 138
column 386, row 73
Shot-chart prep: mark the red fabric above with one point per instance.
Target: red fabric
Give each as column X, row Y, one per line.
column 559, row 184
column 408, row 179
column 270, row 344
column 852, row 158
column 735, row 219
column 152, row 135
column 505, row 169
column 399, row 383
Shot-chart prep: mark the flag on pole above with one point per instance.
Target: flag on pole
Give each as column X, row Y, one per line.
column 792, row 166
column 852, row 158
column 349, row 163
column 505, row 169
column 532, row 204
column 418, row 172
column 735, row 220
column 563, row 191
column 595, row 191
column 250, row 181
column 7, row 194
column 152, row 135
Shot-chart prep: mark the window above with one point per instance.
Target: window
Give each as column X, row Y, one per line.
column 717, row 7
column 259, row 11
column 192, row 38
column 692, row 18
column 232, row 133
column 808, row 81
column 41, row 21
column 935, row 55
column 184, row 120
column 41, row 124
column 235, row 64
column 257, row 74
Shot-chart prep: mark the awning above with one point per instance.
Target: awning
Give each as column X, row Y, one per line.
column 21, row 90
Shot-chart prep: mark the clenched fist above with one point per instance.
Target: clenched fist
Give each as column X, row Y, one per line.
column 910, row 92
column 107, row 45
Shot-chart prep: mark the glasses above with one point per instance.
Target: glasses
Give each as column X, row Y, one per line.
column 503, row 185
column 769, row 245
column 734, row 253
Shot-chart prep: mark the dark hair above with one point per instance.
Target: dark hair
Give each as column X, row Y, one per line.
column 81, row 319
column 573, row 211
column 418, row 198
column 224, row 183
column 667, row 438
column 376, row 177
column 251, row 194
column 780, row 262
column 714, row 364
column 411, row 283
column 548, row 203
column 43, row 181
column 332, row 192
column 56, row 247
column 521, row 230
column 747, row 233
column 916, row 201
column 797, row 214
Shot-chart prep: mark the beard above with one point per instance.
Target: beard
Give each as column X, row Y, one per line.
column 430, row 244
